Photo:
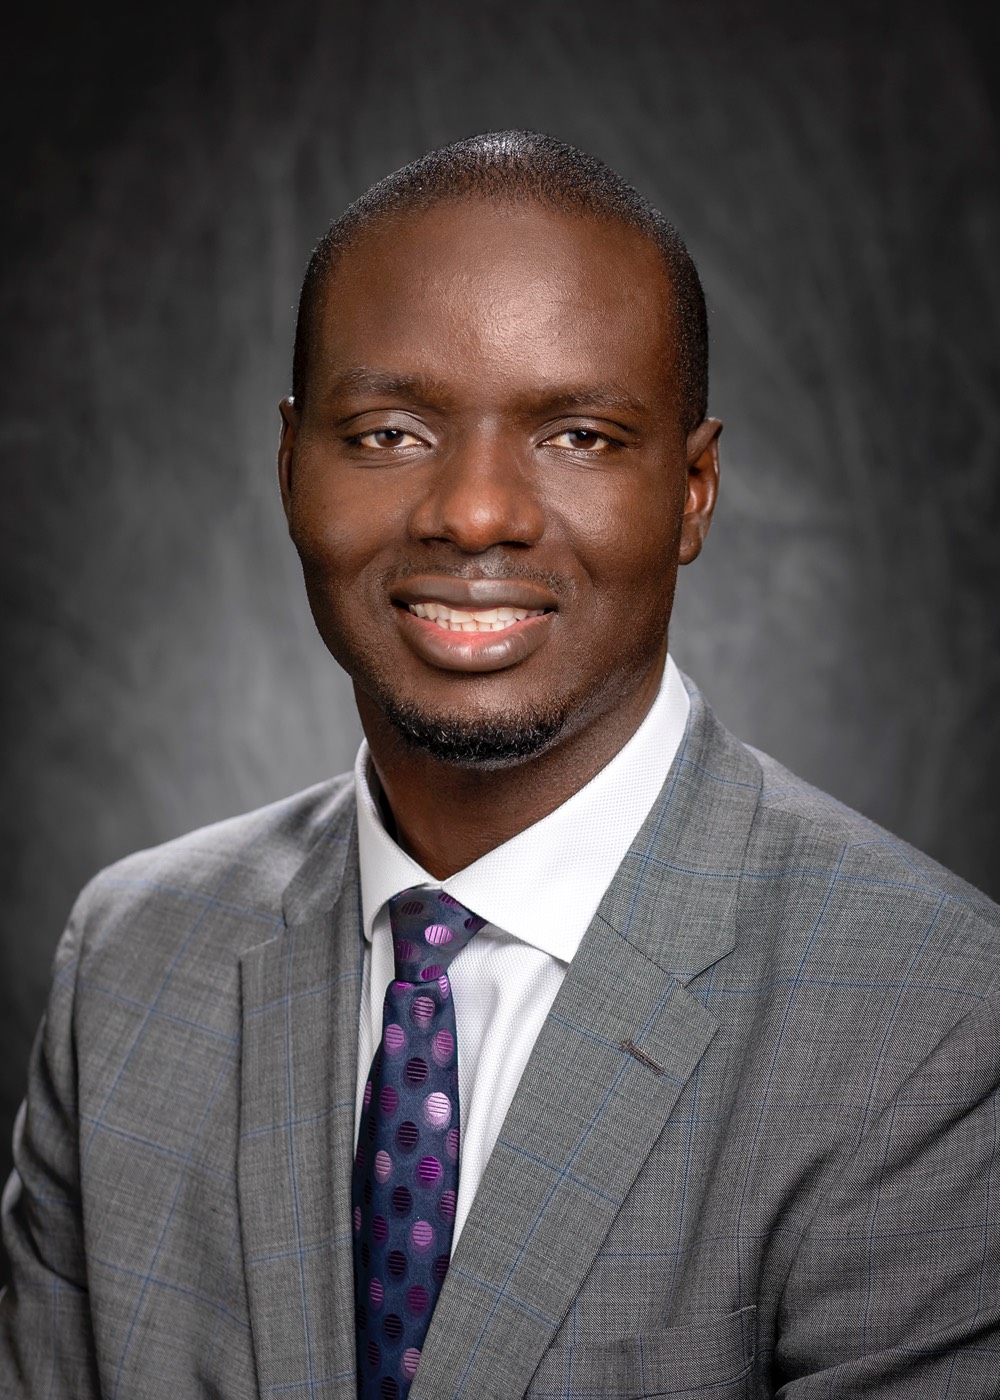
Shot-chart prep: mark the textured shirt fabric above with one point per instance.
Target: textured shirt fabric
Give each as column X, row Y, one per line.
column 538, row 892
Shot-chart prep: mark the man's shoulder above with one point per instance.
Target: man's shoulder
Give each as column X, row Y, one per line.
column 817, row 858
column 240, row 866
column 814, row 889
column 808, row 817
column 759, row 817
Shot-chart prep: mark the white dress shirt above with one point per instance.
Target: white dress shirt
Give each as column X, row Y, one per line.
column 539, row 892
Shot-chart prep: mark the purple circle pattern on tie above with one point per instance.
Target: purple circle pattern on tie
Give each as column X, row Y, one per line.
column 405, row 1181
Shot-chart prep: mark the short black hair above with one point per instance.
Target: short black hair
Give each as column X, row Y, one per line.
column 525, row 167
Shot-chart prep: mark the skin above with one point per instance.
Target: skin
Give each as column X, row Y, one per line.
column 490, row 419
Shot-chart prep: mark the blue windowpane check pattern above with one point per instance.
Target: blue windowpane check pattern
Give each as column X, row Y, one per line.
column 405, row 1181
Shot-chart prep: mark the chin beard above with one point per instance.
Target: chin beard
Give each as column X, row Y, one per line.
column 475, row 743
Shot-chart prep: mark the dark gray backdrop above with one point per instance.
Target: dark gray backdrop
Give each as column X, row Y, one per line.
column 834, row 170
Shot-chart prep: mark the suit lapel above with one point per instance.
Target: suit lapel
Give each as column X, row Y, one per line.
column 614, row 1055
column 300, row 1027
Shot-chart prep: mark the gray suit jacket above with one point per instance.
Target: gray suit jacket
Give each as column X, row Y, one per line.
column 754, row 1151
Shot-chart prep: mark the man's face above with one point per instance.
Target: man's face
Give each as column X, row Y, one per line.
column 488, row 483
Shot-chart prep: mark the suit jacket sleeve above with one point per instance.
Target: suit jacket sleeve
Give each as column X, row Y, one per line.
column 46, row 1339
column 895, row 1289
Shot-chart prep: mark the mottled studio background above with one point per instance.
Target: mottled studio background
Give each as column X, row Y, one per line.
column 834, row 168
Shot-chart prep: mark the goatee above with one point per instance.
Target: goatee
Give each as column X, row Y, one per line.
column 483, row 743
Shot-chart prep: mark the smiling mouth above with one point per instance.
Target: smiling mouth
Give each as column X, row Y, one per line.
column 479, row 620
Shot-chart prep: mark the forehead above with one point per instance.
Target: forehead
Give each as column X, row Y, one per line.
column 490, row 296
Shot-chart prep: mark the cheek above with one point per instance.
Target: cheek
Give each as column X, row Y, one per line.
column 338, row 524
column 625, row 539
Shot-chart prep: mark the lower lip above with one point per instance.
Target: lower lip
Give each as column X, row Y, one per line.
column 473, row 651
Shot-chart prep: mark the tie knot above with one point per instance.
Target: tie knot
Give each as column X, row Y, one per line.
column 429, row 929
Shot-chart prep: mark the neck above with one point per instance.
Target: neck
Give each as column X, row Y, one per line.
column 446, row 815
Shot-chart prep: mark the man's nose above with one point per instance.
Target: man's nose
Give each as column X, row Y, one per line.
column 481, row 494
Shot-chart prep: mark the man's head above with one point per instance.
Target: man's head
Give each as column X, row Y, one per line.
column 519, row 167
column 497, row 417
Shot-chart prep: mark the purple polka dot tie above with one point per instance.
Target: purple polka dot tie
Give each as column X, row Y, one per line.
column 405, row 1181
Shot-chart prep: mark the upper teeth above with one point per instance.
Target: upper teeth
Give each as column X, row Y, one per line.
column 482, row 620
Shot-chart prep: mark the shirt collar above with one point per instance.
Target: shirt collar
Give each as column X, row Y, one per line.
column 542, row 886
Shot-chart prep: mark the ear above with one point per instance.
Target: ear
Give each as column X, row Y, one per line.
column 702, row 487
column 286, row 448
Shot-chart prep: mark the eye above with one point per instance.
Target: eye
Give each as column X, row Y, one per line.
column 381, row 438
column 580, row 439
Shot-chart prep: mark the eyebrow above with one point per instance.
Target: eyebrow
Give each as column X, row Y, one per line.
column 417, row 388
column 600, row 396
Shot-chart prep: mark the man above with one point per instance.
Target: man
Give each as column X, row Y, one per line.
column 727, row 1059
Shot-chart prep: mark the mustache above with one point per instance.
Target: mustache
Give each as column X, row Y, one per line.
column 498, row 568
